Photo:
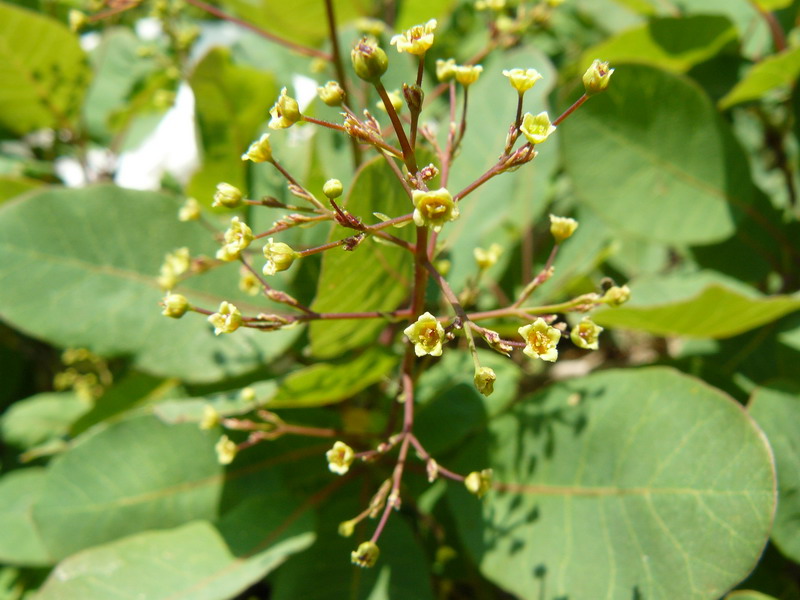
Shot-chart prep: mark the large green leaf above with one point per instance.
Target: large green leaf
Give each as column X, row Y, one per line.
column 79, row 267
column 373, row 276
column 748, row 595
column 777, row 410
column 625, row 484
column 674, row 44
column 43, row 71
column 21, row 543
column 41, row 418
column 774, row 71
column 652, row 158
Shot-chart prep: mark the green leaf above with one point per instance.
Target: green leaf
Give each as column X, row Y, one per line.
column 673, row 44
column 14, row 186
column 43, row 71
column 41, row 418
column 771, row 5
column 373, row 276
column 135, row 475
column 782, row 69
column 79, row 268
column 417, row 12
column 231, row 101
column 191, row 410
column 669, row 170
column 748, row 595
column 645, row 484
column 777, row 411
column 327, row 383
column 21, row 543
column 716, row 312
column 193, row 562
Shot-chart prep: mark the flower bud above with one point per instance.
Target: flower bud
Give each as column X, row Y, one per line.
column 211, row 418
column 484, row 380
column 427, row 335
column 340, row 457
column 487, row 258
column 445, row 69
column 479, row 482
column 369, row 60
column 538, row 128
column 77, row 20
column 585, row 335
column 175, row 264
column 366, row 555
column 175, row 306
column 227, row 319
column 466, row 75
column 522, row 80
column 562, row 227
column 279, row 257
column 541, row 340
column 414, row 97
column 226, row 450
column 616, row 296
column 227, row 195
column 237, row 238
column 285, row 112
column 433, row 209
column 346, row 528
column 416, row 40
column 332, row 189
column 331, row 93
column 190, row 211
column 259, row 151
column 597, row 77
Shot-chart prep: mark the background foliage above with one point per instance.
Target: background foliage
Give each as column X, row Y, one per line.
column 648, row 470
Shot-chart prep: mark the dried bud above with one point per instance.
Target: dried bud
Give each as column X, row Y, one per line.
column 414, row 97
column 429, row 172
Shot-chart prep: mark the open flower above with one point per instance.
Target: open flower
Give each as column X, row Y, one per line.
column 466, row 75
column 597, row 77
column 285, row 112
column 427, row 335
column 479, row 482
column 585, row 334
column 538, row 128
column 175, row 306
column 540, row 340
column 237, row 238
column 445, row 69
column 259, row 151
column 340, row 457
column 227, row 319
column 366, row 555
column 416, row 40
column 523, row 79
column 562, row 227
column 433, row 209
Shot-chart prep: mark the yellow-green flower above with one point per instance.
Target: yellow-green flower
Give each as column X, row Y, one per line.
column 433, row 209
column 211, row 418
column 617, row 295
column 175, row 306
column 562, row 227
column 279, row 257
column 466, row 75
column 585, row 334
column 285, row 112
column 541, row 340
column 227, row 319
column 537, row 129
column 495, row 5
column 226, row 450
column 77, row 20
column 366, row 555
column 597, row 77
column 340, row 457
column 331, row 93
column 259, row 151
column 445, row 69
column 416, row 40
column 484, row 380
column 190, row 211
column 237, row 238
column 369, row 60
column 248, row 282
column 487, row 258
column 427, row 335
column 523, row 79
column 479, row 482
column 227, row 195
column 175, row 264
column 395, row 98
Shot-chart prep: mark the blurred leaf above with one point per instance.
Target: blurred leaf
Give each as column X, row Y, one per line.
column 776, row 409
column 669, row 171
column 417, row 12
column 748, row 595
column 14, row 186
column 771, row 5
column 135, row 475
column 79, row 269
column 43, row 71
column 41, row 418
column 607, row 486
column 371, row 277
column 191, row 410
column 326, row 383
column 231, row 102
column 193, row 561
column 774, row 71
column 673, row 44
column 21, row 543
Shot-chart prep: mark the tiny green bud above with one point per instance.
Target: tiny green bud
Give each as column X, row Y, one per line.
column 427, row 335
column 585, row 334
column 416, row 40
column 211, row 417
column 175, row 306
column 259, row 151
column 77, row 20
column 332, row 189
column 279, row 257
column 541, row 340
column 285, row 112
column 369, row 60
column 331, row 93
column 226, row 450
column 366, row 555
column 227, row 195
column 340, row 457
column 538, row 128
column 522, row 80
column 466, row 75
column 445, row 69
column 433, row 209
column 484, row 380
column 616, row 296
column 487, row 258
column 227, row 319
column 190, row 211
column 597, row 77
column 479, row 482
column 562, row 227
column 247, row 394
column 237, row 238
column 346, row 528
